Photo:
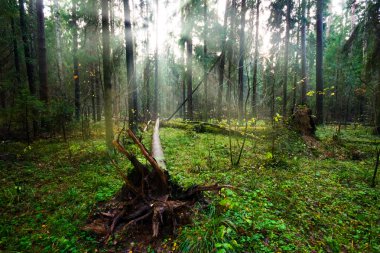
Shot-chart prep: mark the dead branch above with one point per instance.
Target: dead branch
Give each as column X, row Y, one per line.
column 150, row 159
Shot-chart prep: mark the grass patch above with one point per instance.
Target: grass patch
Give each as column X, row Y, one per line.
column 285, row 201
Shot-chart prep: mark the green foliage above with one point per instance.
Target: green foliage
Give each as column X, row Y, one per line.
column 47, row 194
column 284, row 202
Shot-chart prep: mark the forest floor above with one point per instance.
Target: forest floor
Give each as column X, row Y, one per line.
column 299, row 198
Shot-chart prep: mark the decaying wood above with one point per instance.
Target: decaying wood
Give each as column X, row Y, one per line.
column 150, row 159
column 146, row 126
column 157, row 151
column 302, row 121
column 148, row 196
column 205, row 127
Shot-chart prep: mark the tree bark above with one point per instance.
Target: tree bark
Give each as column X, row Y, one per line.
column 155, row 105
column 131, row 74
column 58, row 43
column 16, row 55
column 92, row 92
column 205, row 109
column 254, row 81
column 27, row 53
column 76, row 64
column 222, row 64
column 42, row 52
column 230, row 54
column 147, row 68
column 304, row 81
column 296, row 68
column 189, row 74
column 319, row 63
column 97, row 94
column 286, row 58
column 241, row 61
column 107, row 74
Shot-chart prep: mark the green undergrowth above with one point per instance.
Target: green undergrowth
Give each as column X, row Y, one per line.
column 285, row 197
column 47, row 193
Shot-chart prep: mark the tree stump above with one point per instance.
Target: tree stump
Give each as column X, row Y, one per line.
column 302, row 121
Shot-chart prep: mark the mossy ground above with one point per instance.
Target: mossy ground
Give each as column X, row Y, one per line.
column 295, row 199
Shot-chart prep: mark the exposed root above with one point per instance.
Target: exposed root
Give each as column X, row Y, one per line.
column 147, row 197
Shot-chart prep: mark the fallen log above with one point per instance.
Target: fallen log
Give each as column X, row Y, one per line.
column 148, row 195
column 205, row 127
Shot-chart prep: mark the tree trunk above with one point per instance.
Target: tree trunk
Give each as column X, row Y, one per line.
column 131, row 74
column 93, row 93
column 26, row 42
column 155, row 105
column 377, row 98
column 42, row 52
column 304, row 81
column 42, row 61
column 189, row 61
column 296, row 68
column 241, row 62
column 286, row 60
column 205, row 109
column 254, row 81
column 107, row 74
column 319, row 62
column 182, row 63
column 222, row 64
column 147, row 87
column 230, row 54
column 189, row 75
column 97, row 94
column 16, row 55
column 76, row 65
column 147, row 111
column 58, row 44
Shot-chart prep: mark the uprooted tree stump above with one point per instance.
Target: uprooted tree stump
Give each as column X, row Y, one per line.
column 302, row 121
column 148, row 196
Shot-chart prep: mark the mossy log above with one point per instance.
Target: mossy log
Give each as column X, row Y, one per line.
column 205, row 127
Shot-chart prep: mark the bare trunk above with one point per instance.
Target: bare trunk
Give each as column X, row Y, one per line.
column 285, row 81
column 42, row 51
column 241, row 61
column 296, row 69
column 230, row 54
column 28, row 55
column 254, row 81
column 42, row 61
column 189, row 75
column 205, row 109
column 304, row 81
column 97, row 94
column 319, row 62
column 107, row 74
column 58, row 43
column 93, row 93
column 222, row 65
column 155, row 106
column 147, row 70
column 131, row 74
column 76, row 65
column 16, row 54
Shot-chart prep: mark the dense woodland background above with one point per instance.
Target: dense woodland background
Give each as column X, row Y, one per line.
column 65, row 62
column 239, row 86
